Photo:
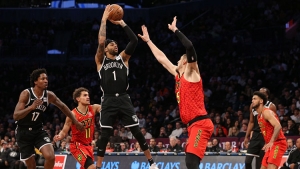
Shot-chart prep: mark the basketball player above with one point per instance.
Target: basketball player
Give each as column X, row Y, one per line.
column 113, row 71
column 257, row 140
column 189, row 94
column 28, row 115
column 80, row 145
column 275, row 141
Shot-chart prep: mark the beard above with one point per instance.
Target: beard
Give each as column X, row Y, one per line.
column 255, row 106
column 113, row 52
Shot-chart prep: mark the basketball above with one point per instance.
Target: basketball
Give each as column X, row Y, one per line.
column 117, row 13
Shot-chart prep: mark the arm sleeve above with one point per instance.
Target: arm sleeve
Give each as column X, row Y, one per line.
column 190, row 51
column 133, row 41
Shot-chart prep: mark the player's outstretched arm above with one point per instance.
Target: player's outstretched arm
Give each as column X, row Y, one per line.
column 159, row 55
column 191, row 55
column 62, row 134
column 20, row 110
column 126, row 54
column 101, row 38
column 52, row 98
column 96, row 108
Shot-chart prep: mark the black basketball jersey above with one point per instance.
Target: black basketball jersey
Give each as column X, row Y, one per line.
column 256, row 126
column 113, row 76
column 35, row 117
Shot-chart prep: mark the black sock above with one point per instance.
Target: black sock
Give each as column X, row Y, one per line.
column 150, row 161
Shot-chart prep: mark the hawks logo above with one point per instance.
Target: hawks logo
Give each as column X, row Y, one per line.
column 47, row 139
column 79, row 158
column 134, row 117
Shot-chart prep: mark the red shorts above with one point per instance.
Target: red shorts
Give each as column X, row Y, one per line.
column 81, row 152
column 274, row 155
column 199, row 134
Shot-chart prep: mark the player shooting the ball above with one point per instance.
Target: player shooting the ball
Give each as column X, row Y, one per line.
column 113, row 71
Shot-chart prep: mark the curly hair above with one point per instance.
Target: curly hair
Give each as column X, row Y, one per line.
column 35, row 75
column 77, row 93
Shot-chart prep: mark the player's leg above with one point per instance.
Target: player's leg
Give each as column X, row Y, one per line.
column 192, row 161
column 105, row 134
column 107, row 118
column 89, row 163
column 199, row 134
column 25, row 140
column 259, row 159
column 248, row 161
column 44, row 145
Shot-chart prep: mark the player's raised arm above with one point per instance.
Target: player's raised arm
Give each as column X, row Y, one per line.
column 128, row 51
column 159, row 55
column 101, row 38
column 192, row 66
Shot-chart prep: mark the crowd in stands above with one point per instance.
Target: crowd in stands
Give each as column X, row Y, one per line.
column 239, row 51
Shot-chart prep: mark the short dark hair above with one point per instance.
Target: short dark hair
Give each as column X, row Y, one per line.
column 108, row 41
column 267, row 91
column 261, row 95
column 35, row 75
column 77, row 93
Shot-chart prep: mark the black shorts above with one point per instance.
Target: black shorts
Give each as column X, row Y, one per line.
column 30, row 138
column 257, row 142
column 121, row 105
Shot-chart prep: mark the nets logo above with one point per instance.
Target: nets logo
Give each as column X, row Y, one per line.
column 161, row 165
column 60, row 161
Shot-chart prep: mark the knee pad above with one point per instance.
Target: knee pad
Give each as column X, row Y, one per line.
column 88, row 162
column 136, row 132
column 103, row 142
column 192, row 161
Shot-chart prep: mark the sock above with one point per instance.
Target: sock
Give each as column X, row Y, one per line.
column 150, row 161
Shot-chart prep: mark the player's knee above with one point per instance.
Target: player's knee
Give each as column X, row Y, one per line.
column 88, row 162
column 103, row 141
column 192, row 161
column 136, row 132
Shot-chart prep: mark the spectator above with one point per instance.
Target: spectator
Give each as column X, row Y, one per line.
column 293, row 160
column 152, row 146
column 162, row 133
column 160, row 146
column 216, row 147
column 177, row 131
column 228, row 147
column 233, row 132
column 290, row 144
column 123, row 147
column 115, row 138
column 296, row 115
column 109, row 148
column 184, row 133
column 4, row 154
column 209, row 147
column 146, row 134
column 174, row 147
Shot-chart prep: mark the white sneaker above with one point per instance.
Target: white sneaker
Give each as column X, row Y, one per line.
column 153, row 166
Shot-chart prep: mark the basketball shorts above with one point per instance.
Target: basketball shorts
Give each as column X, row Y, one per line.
column 199, row 134
column 274, row 155
column 113, row 106
column 256, row 144
column 81, row 152
column 30, row 138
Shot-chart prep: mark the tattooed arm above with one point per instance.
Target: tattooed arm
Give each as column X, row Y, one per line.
column 101, row 38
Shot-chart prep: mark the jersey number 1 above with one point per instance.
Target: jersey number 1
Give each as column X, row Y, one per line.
column 35, row 115
column 115, row 77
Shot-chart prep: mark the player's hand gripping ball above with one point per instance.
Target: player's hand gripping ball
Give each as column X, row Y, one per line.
column 117, row 12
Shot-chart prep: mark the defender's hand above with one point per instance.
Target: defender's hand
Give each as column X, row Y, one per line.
column 145, row 37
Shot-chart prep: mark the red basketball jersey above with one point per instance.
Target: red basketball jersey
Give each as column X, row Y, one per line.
column 267, row 129
column 88, row 120
column 190, row 98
